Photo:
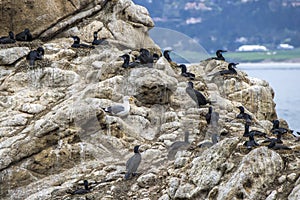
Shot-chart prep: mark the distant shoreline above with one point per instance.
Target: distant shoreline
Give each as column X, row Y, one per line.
column 270, row 65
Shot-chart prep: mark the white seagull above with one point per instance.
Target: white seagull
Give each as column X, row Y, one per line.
column 120, row 110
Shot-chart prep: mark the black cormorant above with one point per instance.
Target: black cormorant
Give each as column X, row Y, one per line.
column 178, row 145
column 133, row 163
column 219, row 55
column 185, row 73
column 195, row 95
column 276, row 129
column 35, row 55
column 252, row 132
column 24, row 36
column 155, row 57
column 277, row 139
column 84, row 190
column 212, row 116
column 230, row 70
column 243, row 115
column 275, row 146
column 77, row 43
column 96, row 41
column 145, row 56
column 126, row 63
column 251, row 143
column 167, row 55
column 8, row 40
column 214, row 140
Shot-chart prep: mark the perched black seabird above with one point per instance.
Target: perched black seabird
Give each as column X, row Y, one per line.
column 8, row 40
column 133, row 163
column 251, row 143
column 230, row 70
column 185, row 73
column 212, row 116
column 126, row 63
column 219, row 55
column 35, row 55
column 96, row 41
column 277, row 139
column 167, row 55
column 77, row 43
column 145, row 57
column 276, row 129
column 214, row 140
column 243, row 115
column 155, row 57
column 252, row 132
column 178, row 145
column 195, row 95
column 24, row 36
column 275, row 146
column 84, row 190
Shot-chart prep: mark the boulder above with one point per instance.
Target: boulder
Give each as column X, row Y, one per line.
column 208, row 169
column 256, row 172
column 11, row 55
column 42, row 15
column 151, row 86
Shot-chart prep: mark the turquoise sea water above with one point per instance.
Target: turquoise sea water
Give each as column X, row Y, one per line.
column 284, row 78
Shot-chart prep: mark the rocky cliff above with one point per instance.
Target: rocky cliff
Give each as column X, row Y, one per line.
column 54, row 132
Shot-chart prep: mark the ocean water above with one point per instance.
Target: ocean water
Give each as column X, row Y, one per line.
column 284, row 78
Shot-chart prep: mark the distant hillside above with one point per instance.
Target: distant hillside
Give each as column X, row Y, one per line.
column 229, row 24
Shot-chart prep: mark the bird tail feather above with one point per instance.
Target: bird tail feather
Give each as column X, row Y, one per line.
column 127, row 175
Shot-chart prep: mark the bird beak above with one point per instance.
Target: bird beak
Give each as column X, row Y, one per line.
column 131, row 99
column 235, row 64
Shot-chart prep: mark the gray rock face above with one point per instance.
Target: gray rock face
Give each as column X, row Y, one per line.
column 151, row 85
column 208, row 169
column 54, row 132
column 146, row 180
column 43, row 14
column 11, row 55
column 253, row 175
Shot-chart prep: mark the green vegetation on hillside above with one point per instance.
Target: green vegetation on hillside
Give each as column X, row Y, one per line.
column 271, row 56
column 275, row 55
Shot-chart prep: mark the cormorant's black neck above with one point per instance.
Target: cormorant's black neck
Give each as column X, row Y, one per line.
column 186, row 137
column 219, row 54
column 136, row 149
column 246, row 129
column 86, row 184
column 275, row 124
column 167, row 56
column 11, row 35
column 272, row 144
column 183, row 69
column 210, row 110
column 191, row 85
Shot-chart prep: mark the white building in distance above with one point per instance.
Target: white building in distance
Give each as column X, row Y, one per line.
column 252, row 48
